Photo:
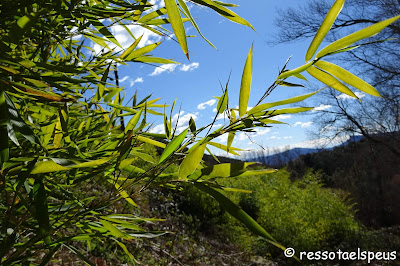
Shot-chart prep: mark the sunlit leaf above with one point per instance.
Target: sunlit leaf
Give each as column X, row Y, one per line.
column 141, row 51
column 177, row 24
column 330, row 81
column 266, row 106
column 245, row 85
column 356, row 36
column 294, row 72
column 173, row 145
column 347, row 77
column 324, row 28
column 225, row 148
column 131, row 48
column 222, row 102
column 133, row 121
column 191, row 161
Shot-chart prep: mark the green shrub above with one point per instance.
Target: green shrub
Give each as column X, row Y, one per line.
column 301, row 214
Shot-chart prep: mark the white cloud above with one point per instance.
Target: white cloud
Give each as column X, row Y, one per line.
column 282, row 117
column 321, row 107
column 345, row 96
column 137, row 80
column 125, row 39
column 189, row 67
column 158, row 129
column 303, row 124
column 202, row 106
column 124, row 79
column 163, row 68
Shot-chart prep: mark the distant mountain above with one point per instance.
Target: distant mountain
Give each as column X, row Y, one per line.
column 280, row 159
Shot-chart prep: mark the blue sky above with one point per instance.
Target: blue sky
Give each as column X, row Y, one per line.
column 194, row 83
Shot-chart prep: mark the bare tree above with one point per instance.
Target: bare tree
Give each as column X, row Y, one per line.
column 377, row 63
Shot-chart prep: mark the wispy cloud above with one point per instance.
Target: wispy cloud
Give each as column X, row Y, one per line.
column 203, row 106
column 131, row 80
column 346, row 97
column 189, row 67
column 303, row 124
column 282, row 117
column 163, row 68
column 321, row 107
column 137, row 80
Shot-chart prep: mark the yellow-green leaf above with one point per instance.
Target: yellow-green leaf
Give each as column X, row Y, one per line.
column 266, row 106
column 133, row 121
column 222, row 102
column 112, row 229
column 330, row 81
column 356, row 36
column 324, row 28
column 131, row 48
column 173, row 145
column 151, row 141
column 347, row 77
column 245, row 85
column 294, row 72
column 141, row 51
column 191, row 161
column 225, row 148
column 177, row 24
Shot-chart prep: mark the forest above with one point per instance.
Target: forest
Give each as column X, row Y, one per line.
column 85, row 180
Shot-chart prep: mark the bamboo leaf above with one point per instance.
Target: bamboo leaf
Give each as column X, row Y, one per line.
column 131, row 48
column 222, row 102
column 153, row 15
column 41, row 209
column 189, row 15
column 226, row 148
column 324, row 28
column 151, row 141
column 330, row 81
column 294, row 72
column 125, row 249
column 266, row 106
column 173, row 145
column 347, row 77
column 356, row 36
column 236, row 212
column 191, row 161
column 112, row 229
column 223, row 11
column 4, row 150
column 245, row 85
column 154, row 60
column 133, row 122
column 177, row 24
column 141, row 51
column 103, row 30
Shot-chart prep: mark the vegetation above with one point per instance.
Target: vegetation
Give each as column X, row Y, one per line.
column 72, row 153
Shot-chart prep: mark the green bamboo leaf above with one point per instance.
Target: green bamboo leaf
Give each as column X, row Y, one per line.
column 125, row 249
column 226, row 148
column 79, row 254
column 225, row 4
column 121, row 191
column 266, row 106
column 47, row 133
column 144, row 156
column 245, row 85
column 347, row 77
column 41, row 209
column 231, row 136
column 222, row 102
column 228, row 170
column 4, row 151
column 141, row 51
column 189, row 15
column 103, row 30
column 192, row 125
column 162, row 21
column 177, row 24
column 356, row 36
column 330, row 81
column 294, row 72
column 236, row 212
column 223, row 11
column 151, row 142
column 288, row 84
column 112, row 229
column 154, row 60
column 324, row 28
column 133, row 122
column 153, row 15
column 173, row 145
column 167, row 126
column 131, row 48
column 191, row 161
column 293, row 110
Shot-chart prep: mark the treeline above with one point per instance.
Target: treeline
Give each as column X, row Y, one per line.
column 368, row 170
